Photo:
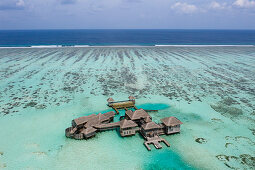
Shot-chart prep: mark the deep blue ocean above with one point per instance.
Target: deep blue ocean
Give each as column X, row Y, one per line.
column 126, row 37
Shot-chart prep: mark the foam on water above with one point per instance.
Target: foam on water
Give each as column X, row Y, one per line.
column 118, row 46
column 210, row 89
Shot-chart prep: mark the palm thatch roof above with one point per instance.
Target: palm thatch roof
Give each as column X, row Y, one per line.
column 102, row 117
column 110, row 114
column 127, row 124
column 109, row 100
column 150, row 125
column 147, row 119
column 131, row 98
column 171, row 121
column 137, row 114
column 82, row 120
column 88, row 130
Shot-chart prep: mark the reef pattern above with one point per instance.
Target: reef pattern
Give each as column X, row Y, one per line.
column 223, row 77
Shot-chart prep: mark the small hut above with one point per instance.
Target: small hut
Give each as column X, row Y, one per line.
column 110, row 100
column 128, row 127
column 150, row 129
column 171, row 125
column 131, row 98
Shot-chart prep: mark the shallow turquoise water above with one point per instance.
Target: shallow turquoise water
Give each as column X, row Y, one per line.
column 210, row 89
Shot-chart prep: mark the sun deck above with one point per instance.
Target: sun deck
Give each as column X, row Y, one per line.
column 156, row 142
column 121, row 104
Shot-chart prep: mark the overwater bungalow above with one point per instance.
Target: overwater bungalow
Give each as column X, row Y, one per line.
column 150, row 129
column 128, row 127
column 171, row 125
column 139, row 116
column 134, row 121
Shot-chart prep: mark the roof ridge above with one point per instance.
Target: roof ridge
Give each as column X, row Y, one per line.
column 127, row 123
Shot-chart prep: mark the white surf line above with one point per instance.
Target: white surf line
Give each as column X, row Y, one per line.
column 204, row 45
column 123, row 46
column 50, row 46
column 79, row 46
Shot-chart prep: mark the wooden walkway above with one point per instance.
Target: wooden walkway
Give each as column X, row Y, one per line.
column 108, row 126
column 155, row 141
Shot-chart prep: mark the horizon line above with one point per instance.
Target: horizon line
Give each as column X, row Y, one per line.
column 124, row 46
column 227, row 29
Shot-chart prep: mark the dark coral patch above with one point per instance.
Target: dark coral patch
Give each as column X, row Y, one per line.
column 228, row 101
column 41, row 106
column 31, row 104
column 246, row 160
column 201, row 140
column 227, row 110
column 226, row 144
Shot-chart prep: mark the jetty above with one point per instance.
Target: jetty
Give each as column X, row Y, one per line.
column 134, row 121
column 122, row 104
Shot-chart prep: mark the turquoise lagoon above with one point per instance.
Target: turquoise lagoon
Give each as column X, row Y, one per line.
column 210, row 89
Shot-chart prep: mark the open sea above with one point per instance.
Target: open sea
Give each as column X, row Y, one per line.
column 126, row 37
column 205, row 78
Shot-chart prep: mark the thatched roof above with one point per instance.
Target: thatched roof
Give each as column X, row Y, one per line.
column 99, row 118
column 127, row 124
column 131, row 98
column 137, row 114
column 147, row 119
column 129, row 113
column 88, row 130
column 92, row 122
column 171, row 121
column 102, row 117
column 109, row 100
column 150, row 125
column 93, row 119
column 84, row 119
column 110, row 114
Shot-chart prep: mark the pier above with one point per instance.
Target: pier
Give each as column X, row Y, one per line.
column 156, row 142
column 122, row 104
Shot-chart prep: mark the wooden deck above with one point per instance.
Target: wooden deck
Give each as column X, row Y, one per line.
column 122, row 105
column 155, row 141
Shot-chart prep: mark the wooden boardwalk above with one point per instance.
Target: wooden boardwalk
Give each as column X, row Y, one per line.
column 155, row 141
column 108, row 126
